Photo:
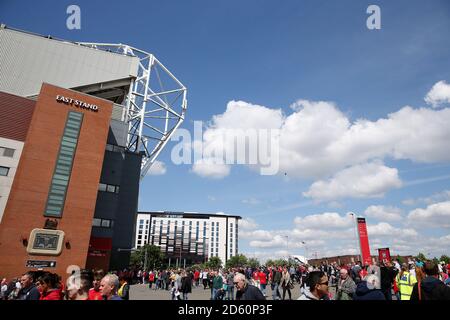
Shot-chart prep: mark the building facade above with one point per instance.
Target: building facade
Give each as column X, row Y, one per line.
column 188, row 238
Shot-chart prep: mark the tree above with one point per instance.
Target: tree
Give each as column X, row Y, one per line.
column 270, row 262
column 253, row 263
column 421, row 257
column 214, row 263
column 445, row 258
column 237, row 261
column 154, row 257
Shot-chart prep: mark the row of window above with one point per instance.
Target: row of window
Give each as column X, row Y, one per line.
column 4, row 171
column 108, row 188
column 64, row 162
column 6, row 152
column 103, row 223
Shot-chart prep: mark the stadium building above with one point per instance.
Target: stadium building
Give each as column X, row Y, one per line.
column 188, row 238
column 80, row 125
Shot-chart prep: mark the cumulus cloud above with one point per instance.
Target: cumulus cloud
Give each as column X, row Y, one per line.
column 434, row 198
column 324, row 220
column 370, row 180
column 158, row 168
column 248, row 224
column 439, row 94
column 386, row 213
column 211, row 168
column 316, row 139
column 435, row 215
column 385, row 229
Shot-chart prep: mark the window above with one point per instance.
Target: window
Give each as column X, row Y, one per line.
column 64, row 162
column 4, row 171
column 106, row 223
column 108, row 188
column 102, row 223
column 7, row 152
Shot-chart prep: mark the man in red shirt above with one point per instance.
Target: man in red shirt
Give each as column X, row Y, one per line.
column 196, row 277
column 262, row 281
column 94, row 292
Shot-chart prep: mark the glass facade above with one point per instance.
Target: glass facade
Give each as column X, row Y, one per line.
column 64, row 163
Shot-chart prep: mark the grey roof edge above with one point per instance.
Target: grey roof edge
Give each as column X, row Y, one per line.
column 77, row 43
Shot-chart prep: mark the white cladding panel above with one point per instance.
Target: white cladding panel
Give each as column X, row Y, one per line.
column 26, row 61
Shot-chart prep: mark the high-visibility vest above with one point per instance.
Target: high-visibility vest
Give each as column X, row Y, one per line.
column 405, row 285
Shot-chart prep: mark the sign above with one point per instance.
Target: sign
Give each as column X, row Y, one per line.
column 40, row 264
column 364, row 241
column 45, row 242
column 384, row 254
column 76, row 103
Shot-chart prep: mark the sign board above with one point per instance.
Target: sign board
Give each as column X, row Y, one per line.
column 364, row 241
column 45, row 242
column 384, row 254
column 40, row 264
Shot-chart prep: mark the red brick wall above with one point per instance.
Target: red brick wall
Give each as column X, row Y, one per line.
column 26, row 204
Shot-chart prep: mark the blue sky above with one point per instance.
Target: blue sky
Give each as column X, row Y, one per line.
column 272, row 54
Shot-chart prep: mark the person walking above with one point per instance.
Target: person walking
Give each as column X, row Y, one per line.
column 186, row 285
column 124, row 290
column 276, row 281
column 430, row 288
column 28, row 290
column 262, row 281
column 217, row 284
column 230, row 285
column 316, row 286
column 405, row 282
column 346, row 286
column 286, row 283
column 367, row 289
column 246, row 291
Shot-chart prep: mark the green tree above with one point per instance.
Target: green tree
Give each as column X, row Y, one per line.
column 154, row 257
column 281, row 262
column 445, row 258
column 253, row 263
column 214, row 263
column 237, row 261
column 270, row 262
column 421, row 257
column 400, row 259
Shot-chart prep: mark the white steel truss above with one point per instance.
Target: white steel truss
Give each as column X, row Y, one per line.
column 155, row 106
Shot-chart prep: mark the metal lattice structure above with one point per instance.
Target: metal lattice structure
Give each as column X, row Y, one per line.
column 155, row 105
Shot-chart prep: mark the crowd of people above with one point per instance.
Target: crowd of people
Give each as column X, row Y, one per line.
column 86, row 285
column 415, row 280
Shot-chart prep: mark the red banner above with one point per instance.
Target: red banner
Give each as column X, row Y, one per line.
column 384, row 254
column 364, row 241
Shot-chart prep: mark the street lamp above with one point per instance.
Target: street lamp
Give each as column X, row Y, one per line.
column 356, row 234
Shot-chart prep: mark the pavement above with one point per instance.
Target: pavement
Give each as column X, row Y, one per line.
column 142, row 292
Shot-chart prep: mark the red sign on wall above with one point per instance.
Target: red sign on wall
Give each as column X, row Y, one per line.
column 384, row 254
column 364, row 241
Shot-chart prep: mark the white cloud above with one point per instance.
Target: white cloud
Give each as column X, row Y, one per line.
column 317, row 140
column 386, row 213
column 435, row 215
column 211, row 168
column 324, row 221
column 368, row 180
column 434, row 198
column 256, row 234
column 247, row 224
column 157, row 168
column 439, row 94
column 385, row 229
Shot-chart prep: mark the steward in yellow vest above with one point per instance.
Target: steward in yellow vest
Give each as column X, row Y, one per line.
column 405, row 283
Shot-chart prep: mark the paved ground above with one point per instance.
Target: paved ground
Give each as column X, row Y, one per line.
column 142, row 292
